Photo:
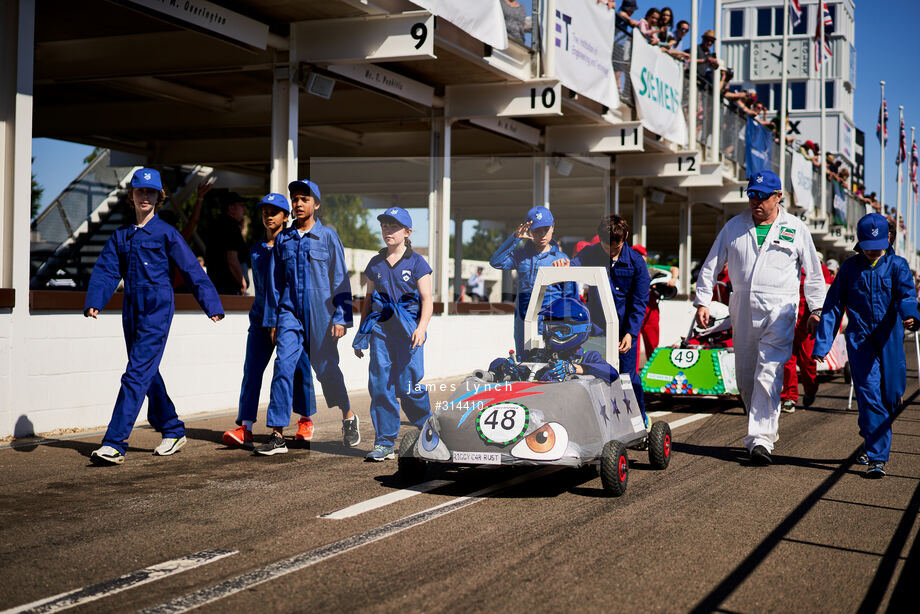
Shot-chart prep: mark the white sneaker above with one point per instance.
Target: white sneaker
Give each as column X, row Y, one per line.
column 169, row 445
column 107, row 455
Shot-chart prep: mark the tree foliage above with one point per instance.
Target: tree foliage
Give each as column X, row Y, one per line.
column 37, row 191
column 481, row 245
column 346, row 213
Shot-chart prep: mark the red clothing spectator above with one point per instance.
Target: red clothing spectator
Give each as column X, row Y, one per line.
column 651, row 325
column 802, row 346
column 583, row 244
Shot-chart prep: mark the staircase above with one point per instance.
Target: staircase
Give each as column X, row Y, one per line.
column 68, row 236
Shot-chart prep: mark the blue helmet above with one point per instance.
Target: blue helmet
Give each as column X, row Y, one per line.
column 566, row 324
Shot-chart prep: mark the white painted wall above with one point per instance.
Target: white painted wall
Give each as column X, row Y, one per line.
column 73, row 364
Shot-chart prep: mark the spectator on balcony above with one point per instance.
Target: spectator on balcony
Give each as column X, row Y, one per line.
column 648, row 25
column 677, row 38
column 705, row 57
column 624, row 20
column 666, row 28
column 226, row 251
column 515, row 19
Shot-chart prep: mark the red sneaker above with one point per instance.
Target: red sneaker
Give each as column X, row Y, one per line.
column 304, row 430
column 240, row 436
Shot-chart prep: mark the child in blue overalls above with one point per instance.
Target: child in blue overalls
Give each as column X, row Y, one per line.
column 396, row 313
column 259, row 347
column 308, row 308
column 539, row 250
column 875, row 288
column 141, row 254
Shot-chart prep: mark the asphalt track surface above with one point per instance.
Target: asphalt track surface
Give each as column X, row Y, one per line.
column 220, row 530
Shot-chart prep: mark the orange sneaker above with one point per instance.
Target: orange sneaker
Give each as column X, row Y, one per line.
column 240, row 436
column 304, row 430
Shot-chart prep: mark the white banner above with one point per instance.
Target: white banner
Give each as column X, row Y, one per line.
column 582, row 33
column 481, row 19
column 658, row 89
column 803, row 179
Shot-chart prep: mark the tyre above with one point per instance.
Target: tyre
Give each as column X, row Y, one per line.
column 847, row 377
column 659, row 445
column 410, row 467
column 614, row 468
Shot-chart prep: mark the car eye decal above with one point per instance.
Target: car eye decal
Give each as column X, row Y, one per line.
column 548, row 442
column 430, row 439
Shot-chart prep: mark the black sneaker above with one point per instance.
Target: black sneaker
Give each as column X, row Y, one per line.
column 863, row 458
column 875, row 470
column 274, row 445
column 351, row 436
column 808, row 400
column 788, row 407
column 760, row 456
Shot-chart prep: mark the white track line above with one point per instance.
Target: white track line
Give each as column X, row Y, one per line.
column 110, row 587
column 302, row 561
column 384, row 500
column 657, row 414
column 691, row 418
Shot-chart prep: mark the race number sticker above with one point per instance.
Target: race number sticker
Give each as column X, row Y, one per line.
column 502, row 423
column 684, row 359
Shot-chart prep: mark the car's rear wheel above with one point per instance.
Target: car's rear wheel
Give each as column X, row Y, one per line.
column 614, row 468
column 659, row 445
column 411, row 468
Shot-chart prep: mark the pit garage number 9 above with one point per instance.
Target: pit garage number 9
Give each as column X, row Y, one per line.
column 502, row 423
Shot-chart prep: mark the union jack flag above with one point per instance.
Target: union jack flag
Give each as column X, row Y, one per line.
column 902, row 146
column 914, row 163
column 881, row 129
column 796, row 13
column 828, row 23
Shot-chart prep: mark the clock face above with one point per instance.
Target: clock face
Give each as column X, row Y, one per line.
column 797, row 64
column 766, row 59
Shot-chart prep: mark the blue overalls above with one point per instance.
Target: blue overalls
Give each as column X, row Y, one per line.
column 396, row 369
column 259, row 348
column 526, row 261
column 142, row 257
column 629, row 283
column 310, row 292
column 876, row 300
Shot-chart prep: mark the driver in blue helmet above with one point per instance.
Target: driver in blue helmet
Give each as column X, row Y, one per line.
column 566, row 325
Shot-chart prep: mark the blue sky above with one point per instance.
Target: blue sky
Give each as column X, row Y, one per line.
column 883, row 53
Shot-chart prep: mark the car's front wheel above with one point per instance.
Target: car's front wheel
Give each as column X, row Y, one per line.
column 411, row 468
column 614, row 468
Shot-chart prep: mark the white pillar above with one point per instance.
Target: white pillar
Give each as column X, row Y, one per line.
column 685, row 247
column 444, row 218
column 541, row 169
column 458, row 256
column 17, row 41
column 608, row 196
column 285, row 120
column 715, row 135
column 823, row 137
column 616, row 195
column 694, row 41
column 639, row 208
column 782, row 96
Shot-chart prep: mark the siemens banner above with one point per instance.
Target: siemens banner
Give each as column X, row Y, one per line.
column 481, row 19
column 658, row 88
column 582, row 36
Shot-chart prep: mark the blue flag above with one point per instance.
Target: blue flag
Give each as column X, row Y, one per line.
column 758, row 149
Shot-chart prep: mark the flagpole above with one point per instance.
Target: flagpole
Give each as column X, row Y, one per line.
column 821, row 88
column 882, row 140
column 782, row 96
column 909, row 216
column 897, row 206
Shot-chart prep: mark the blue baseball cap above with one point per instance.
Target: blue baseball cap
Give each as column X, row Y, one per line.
column 307, row 185
column 147, row 178
column 278, row 200
column 539, row 217
column 397, row 213
column 764, row 181
column 872, row 232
